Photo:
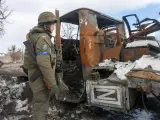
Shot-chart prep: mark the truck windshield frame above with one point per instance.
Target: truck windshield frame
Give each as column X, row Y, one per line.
column 102, row 19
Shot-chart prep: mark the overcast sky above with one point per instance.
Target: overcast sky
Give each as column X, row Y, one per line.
column 25, row 13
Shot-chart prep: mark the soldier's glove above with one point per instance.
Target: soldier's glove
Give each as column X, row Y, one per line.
column 53, row 94
column 54, row 89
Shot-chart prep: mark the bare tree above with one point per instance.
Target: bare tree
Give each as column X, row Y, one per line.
column 69, row 31
column 15, row 53
column 4, row 14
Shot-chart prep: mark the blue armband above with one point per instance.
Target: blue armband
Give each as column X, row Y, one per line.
column 42, row 53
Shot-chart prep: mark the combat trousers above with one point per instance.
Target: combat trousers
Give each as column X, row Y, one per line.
column 41, row 104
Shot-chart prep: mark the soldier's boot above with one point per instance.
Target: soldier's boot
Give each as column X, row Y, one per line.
column 41, row 105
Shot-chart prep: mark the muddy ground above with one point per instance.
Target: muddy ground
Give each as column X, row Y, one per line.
column 16, row 104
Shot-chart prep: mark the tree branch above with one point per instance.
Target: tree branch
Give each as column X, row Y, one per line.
column 4, row 14
column 68, row 31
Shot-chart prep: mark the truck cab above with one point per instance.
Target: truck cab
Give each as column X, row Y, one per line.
column 98, row 37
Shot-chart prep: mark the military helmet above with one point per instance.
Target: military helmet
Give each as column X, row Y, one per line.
column 46, row 17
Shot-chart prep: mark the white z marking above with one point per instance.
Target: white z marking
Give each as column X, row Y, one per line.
column 104, row 96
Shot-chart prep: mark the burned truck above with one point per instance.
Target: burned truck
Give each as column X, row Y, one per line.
column 101, row 38
column 81, row 56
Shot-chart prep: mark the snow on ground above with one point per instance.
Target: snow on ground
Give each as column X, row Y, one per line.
column 11, row 92
column 142, row 115
column 19, row 117
column 22, row 105
column 2, row 83
column 140, row 43
column 122, row 68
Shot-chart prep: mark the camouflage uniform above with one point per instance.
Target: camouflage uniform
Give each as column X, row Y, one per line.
column 45, row 55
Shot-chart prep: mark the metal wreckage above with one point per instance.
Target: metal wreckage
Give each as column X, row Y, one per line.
column 101, row 37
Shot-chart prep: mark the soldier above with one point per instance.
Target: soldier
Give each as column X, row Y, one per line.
column 45, row 84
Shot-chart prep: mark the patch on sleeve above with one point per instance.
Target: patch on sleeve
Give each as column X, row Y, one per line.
column 45, row 47
column 43, row 36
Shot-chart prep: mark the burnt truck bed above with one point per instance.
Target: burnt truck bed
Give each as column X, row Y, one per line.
column 134, row 53
column 112, row 93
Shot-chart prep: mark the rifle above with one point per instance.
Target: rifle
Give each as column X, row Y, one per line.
column 31, row 49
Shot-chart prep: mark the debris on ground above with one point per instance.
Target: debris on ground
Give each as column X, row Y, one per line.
column 16, row 104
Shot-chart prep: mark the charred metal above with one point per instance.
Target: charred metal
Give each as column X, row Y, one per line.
column 103, row 37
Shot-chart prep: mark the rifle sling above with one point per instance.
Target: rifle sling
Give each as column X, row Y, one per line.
column 30, row 47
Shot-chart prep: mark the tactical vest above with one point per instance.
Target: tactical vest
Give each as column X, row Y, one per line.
column 28, row 62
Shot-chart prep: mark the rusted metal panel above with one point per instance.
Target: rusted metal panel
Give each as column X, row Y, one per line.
column 90, row 52
column 98, row 41
column 113, row 42
column 133, row 53
column 112, row 53
column 144, row 80
column 144, row 75
column 143, row 85
column 121, row 33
